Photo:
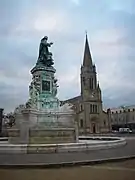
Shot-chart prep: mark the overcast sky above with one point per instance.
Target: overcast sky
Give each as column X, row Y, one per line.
column 111, row 31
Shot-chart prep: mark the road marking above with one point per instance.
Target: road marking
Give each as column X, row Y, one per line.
column 111, row 168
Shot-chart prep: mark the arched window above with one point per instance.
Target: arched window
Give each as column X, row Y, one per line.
column 93, row 108
column 81, row 107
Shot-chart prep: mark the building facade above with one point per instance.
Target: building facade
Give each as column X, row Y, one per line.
column 88, row 106
column 123, row 116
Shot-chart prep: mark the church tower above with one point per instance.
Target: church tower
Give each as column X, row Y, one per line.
column 90, row 89
column 90, row 92
column 88, row 106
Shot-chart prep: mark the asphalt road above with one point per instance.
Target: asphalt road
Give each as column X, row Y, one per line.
column 126, row 150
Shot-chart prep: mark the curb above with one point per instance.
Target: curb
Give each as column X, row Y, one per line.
column 64, row 164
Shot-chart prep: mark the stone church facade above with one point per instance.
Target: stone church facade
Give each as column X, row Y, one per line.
column 88, row 106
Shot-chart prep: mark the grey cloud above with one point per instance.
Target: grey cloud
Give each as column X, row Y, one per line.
column 11, row 95
column 124, row 92
column 119, row 101
column 10, row 13
column 126, row 22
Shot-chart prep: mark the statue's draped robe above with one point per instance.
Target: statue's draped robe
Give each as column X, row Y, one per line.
column 43, row 50
column 45, row 57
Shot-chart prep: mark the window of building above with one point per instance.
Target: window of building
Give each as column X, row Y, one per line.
column 96, row 109
column 93, row 108
column 91, row 83
column 112, row 112
column 128, row 110
column 90, row 108
column 81, row 107
column 84, row 81
column 81, row 123
column 116, row 112
column 133, row 109
column 120, row 111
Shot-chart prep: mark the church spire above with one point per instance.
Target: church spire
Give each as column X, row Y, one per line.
column 87, row 60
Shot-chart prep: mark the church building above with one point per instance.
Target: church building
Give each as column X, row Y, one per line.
column 88, row 106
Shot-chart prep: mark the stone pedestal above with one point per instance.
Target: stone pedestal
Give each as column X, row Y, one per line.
column 43, row 88
column 37, row 126
column 28, row 120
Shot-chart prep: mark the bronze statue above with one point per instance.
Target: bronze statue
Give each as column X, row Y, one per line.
column 45, row 57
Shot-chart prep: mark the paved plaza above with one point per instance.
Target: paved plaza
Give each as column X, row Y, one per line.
column 111, row 171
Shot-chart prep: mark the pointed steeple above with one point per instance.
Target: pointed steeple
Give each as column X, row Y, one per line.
column 87, row 60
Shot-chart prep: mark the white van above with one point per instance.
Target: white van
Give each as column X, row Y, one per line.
column 125, row 130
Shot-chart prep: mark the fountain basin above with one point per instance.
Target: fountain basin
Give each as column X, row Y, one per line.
column 97, row 139
column 87, row 144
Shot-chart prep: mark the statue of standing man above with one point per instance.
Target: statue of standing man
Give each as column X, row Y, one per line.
column 45, row 57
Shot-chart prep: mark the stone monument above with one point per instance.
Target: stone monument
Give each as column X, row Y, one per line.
column 42, row 119
column 43, row 88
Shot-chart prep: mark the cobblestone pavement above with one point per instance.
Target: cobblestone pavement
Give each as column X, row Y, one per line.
column 126, row 150
column 111, row 171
